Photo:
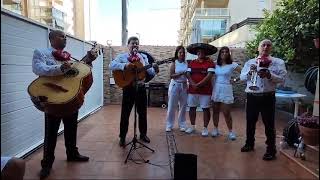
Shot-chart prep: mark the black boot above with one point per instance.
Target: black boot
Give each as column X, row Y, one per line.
column 44, row 172
column 270, row 153
column 145, row 138
column 46, row 165
column 269, row 156
column 74, row 155
column 247, row 148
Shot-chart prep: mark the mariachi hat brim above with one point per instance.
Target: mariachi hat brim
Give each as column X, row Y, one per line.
column 209, row 49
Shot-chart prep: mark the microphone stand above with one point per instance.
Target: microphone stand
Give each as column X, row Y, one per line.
column 135, row 141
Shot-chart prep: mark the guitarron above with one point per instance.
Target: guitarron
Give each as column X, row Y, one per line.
column 64, row 94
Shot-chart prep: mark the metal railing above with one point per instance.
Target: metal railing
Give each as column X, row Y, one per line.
column 212, row 12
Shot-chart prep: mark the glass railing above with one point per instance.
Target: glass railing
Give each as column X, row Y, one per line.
column 212, row 12
column 212, row 32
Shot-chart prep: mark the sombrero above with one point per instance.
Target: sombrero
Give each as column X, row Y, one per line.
column 209, row 49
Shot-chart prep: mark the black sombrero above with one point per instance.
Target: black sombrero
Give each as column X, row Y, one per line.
column 209, row 49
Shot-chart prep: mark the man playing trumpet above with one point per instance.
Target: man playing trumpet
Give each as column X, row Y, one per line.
column 262, row 74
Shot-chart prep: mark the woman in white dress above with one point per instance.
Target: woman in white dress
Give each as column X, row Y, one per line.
column 222, row 93
column 177, row 93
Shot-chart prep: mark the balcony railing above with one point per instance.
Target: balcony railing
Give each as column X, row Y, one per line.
column 212, row 12
column 212, row 32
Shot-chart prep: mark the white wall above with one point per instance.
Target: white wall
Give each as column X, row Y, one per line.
column 22, row 125
column 236, row 38
column 240, row 10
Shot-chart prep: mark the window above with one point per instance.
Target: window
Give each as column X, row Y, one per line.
column 57, row 14
column 213, row 27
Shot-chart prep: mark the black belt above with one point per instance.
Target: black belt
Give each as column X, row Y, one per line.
column 133, row 86
column 262, row 94
column 140, row 86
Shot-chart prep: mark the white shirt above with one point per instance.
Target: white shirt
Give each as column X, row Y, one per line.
column 122, row 59
column 223, row 73
column 180, row 67
column 44, row 64
column 277, row 70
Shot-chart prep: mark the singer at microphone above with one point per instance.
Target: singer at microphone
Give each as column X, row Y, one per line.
column 131, row 95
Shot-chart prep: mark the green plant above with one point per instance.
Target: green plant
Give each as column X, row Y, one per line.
column 292, row 28
column 307, row 107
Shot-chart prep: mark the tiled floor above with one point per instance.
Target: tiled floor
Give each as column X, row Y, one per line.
column 217, row 157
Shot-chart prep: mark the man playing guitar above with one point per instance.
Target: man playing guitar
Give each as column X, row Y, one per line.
column 126, row 61
column 54, row 61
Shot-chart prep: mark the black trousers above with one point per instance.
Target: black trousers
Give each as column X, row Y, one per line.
column 265, row 105
column 129, row 98
column 52, row 124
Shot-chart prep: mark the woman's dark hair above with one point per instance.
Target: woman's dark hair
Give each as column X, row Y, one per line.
column 177, row 50
column 228, row 60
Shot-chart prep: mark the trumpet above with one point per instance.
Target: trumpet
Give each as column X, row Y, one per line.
column 254, row 77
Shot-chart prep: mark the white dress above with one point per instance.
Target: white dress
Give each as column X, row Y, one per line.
column 222, row 90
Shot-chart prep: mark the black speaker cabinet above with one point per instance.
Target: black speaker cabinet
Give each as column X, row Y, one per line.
column 185, row 166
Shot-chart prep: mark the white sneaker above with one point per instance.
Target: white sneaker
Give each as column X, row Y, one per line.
column 232, row 136
column 182, row 129
column 215, row 132
column 168, row 129
column 204, row 132
column 190, row 130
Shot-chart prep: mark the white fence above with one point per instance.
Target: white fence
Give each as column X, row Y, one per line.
column 22, row 125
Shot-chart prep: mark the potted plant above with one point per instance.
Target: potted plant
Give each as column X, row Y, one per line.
column 309, row 128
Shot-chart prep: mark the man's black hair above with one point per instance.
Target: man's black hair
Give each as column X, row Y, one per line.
column 54, row 33
column 133, row 38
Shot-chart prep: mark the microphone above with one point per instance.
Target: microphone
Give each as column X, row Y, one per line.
column 134, row 51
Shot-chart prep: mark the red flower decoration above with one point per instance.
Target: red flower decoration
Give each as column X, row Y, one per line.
column 133, row 58
column 61, row 55
column 308, row 120
column 264, row 62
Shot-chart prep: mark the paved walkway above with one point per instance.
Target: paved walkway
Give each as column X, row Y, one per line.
column 217, row 157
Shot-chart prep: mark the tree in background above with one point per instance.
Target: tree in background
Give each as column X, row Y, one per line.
column 292, row 28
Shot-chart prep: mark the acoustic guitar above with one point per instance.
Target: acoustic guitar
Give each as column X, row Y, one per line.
column 126, row 77
column 64, row 94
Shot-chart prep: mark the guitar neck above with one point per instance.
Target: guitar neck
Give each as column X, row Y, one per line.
column 95, row 49
column 158, row 63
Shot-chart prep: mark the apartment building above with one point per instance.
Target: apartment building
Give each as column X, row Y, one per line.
column 209, row 20
column 202, row 19
column 66, row 15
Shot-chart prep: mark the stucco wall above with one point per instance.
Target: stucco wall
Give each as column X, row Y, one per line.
column 236, row 38
column 113, row 94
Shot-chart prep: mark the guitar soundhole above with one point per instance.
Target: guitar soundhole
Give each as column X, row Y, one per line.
column 72, row 72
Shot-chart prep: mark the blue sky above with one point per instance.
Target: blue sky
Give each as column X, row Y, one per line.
column 156, row 21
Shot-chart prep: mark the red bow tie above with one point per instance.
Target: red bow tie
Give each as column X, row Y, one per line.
column 133, row 58
column 61, row 55
column 264, row 61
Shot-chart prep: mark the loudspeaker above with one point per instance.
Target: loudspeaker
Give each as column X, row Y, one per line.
column 185, row 166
